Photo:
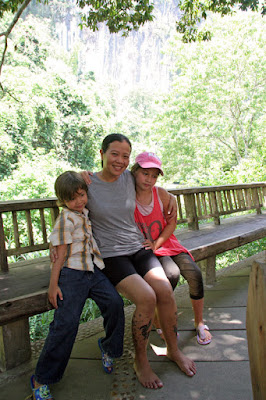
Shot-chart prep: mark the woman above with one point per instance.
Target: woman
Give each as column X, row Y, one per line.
column 134, row 271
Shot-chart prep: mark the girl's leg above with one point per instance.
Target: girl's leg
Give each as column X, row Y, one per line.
column 63, row 330
column 192, row 273
column 111, row 306
column 167, row 312
column 172, row 272
column 134, row 288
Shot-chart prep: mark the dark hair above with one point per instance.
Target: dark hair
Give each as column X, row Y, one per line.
column 134, row 168
column 114, row 137
column 67, row 184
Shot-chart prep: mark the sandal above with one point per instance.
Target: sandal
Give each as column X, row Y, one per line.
column 108, row 363
column 201, row 335
column 40, row 393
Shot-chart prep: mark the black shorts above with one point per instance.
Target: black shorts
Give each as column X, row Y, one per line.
column 119, row 267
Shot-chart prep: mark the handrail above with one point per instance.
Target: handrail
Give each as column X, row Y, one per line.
column 35, row 217
column 212, row 202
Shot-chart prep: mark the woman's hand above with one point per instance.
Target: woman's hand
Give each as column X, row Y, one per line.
column 149, row 245
column 86, row 176
column 172, row 209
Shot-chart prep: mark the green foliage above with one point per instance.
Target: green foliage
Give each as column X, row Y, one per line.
column 126, row 15
column 33, row 178
column 212, row 124
column 194, row 12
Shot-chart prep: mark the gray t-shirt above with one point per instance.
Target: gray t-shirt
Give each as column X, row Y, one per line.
column 111, row 206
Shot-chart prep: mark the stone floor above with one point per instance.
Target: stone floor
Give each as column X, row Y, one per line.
column 222, row 366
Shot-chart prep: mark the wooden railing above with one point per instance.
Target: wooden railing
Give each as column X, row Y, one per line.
column 26, row 224
column 211, row 202
column 18, row 217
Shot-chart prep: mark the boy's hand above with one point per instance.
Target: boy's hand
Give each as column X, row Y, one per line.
column 53, row 292
column 86, row 176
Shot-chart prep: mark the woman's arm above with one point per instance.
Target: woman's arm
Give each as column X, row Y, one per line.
column 54, row 290
column 169, row 228
column 170, row 211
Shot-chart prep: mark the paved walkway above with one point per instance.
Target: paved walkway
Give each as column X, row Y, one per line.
column 222, row 366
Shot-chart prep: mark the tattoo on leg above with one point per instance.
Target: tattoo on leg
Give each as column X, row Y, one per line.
column 145, row 330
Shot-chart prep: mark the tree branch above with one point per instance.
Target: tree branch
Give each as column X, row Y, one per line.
column 23, row 6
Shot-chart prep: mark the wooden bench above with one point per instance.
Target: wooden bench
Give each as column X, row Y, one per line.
column 23, row 284
column 200, row 205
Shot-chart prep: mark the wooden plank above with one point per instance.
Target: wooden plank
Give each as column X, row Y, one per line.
column 15, row 227
column 235, row 201
column 191, row 211
column 256, row 329
column 43, row 226
column 248, row 198
column 255, row 200
column 54, row 214
column 225, row 201
column 203, row 201
column 27, row 249
column 3, row 253
column 229, row 201
column 221, row 246
column 214, row 208
column 179, row 208
column 24, row 306
column 15, row 347
column 264, row 196
column 29, row 227
column 28, row 204
column 220, row 202
column 199, row 211
column 204, row 189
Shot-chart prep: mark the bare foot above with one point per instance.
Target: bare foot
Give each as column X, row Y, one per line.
column 184, row 363
column 146, row 376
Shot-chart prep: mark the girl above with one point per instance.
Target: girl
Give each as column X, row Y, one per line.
column 151, row 203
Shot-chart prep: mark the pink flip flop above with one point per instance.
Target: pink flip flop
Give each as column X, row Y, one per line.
column 201, row 335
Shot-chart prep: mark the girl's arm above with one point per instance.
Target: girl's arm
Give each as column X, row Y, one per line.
column 54, row 290
column 169, row 228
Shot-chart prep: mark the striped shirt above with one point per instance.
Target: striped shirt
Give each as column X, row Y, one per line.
column 74, row 229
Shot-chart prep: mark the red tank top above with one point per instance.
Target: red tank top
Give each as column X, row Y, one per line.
column 153, row 224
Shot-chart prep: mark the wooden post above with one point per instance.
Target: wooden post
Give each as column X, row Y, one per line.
column 3, row 254
column 214, row 208
column 15, row 345
column 207, row 267
column 191, row 212
column 256, row 329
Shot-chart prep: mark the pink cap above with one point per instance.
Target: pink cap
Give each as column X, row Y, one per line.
column 149, row 160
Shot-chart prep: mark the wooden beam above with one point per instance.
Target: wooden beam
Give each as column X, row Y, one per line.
column 256, row 329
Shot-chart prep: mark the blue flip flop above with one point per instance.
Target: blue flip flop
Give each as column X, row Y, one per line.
column 108, row 363
column 40, row 393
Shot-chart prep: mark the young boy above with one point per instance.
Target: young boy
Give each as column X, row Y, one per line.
column 75, row 276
